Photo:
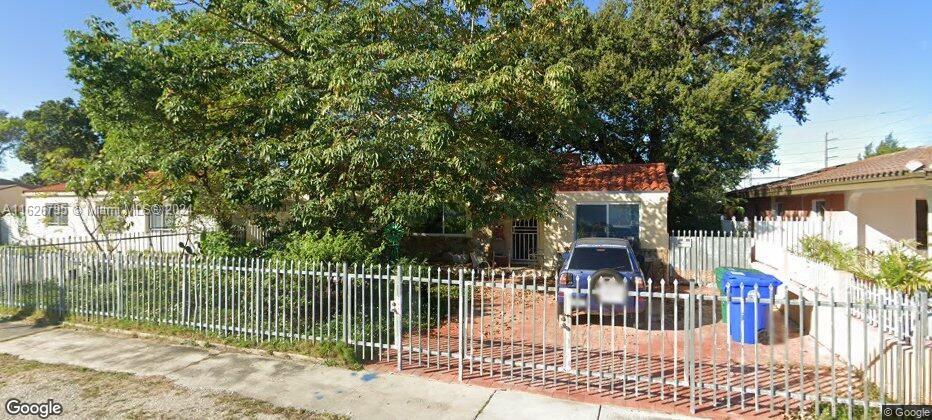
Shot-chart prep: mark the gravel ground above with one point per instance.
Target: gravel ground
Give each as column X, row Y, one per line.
column 85, row 393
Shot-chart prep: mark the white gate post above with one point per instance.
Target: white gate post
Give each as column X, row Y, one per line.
column 566, row 324
column 690, row 370
column 396, row 308
column 919, row 351
column 345, row 298
column 462, row 326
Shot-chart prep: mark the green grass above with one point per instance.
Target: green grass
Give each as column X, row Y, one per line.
column 841, row 409
column 330, row 352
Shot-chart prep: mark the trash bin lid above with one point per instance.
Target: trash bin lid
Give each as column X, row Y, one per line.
column 750, row 279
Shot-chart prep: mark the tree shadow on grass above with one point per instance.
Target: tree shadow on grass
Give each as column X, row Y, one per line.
column 29, row 314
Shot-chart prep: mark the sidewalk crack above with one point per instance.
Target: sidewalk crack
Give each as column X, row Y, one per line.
column 209, row 356
column 481, row 409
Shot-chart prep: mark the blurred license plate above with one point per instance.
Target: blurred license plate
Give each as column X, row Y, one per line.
column 612, row 293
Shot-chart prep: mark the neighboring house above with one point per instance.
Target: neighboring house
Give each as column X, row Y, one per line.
column 11, row 195
column 54, row 212
column 871, row 202
column 11, row 207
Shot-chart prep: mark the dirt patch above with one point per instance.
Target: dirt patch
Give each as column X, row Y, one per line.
column 86, row 393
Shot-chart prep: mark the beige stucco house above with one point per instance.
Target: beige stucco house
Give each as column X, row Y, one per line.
column 619, row 200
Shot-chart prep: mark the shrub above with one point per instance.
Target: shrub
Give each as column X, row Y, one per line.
column 831, row 253
column 897, row 268
column 220, row 244
column 900, row 268
column 335, row 247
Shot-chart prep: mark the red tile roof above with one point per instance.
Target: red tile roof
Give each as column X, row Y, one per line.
column 60, row 187
column 638, row 177
column 618, row 177
column 891, row 165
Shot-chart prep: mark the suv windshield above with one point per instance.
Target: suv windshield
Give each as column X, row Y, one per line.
column 599, row 258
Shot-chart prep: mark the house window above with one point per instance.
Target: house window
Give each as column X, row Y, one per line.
column 161, row 218
column 778, row 209
column 922, row 224
column 607, row 220
column 444, row 222
column 56, row 214
column 818, row 207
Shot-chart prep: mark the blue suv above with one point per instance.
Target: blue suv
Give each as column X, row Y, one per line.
column 613, row 260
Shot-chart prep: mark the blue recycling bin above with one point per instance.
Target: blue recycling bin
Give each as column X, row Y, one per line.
column 748, row 325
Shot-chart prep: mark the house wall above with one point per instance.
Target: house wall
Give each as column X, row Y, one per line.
column 885, row 216
column 36, row 227
column 793, row 206
column 557, row 234
column 11, row 197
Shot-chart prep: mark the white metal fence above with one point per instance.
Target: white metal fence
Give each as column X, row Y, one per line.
column 695, row 254
column 161, row 242
column 505, row 325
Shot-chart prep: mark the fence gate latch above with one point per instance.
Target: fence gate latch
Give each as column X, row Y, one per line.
column 395, row 307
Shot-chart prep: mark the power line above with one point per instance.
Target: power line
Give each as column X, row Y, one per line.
column 906, row 143
column 921, row 114
column 862, row 116
column 860, row 135
column 809, row 153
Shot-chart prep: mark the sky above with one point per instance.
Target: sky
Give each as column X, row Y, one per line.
column 885, row 47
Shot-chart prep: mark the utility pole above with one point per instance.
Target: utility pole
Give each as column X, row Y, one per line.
column 827, row 157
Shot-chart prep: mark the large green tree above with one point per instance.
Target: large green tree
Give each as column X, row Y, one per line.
column 350, row 114
column 693, row 83
column 358, row 113
column 10, row 133
column 51, row 138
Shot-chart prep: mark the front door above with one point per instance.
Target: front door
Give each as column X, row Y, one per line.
column 524, row 242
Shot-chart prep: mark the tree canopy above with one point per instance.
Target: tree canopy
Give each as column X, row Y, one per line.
column 52, row 138
column 356, row 114
column 10, row 132
column 889, row 144
column 694, row 83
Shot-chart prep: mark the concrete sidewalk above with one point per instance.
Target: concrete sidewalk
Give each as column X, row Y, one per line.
column 290, row 383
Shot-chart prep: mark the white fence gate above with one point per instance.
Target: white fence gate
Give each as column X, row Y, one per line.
column 695, row 254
